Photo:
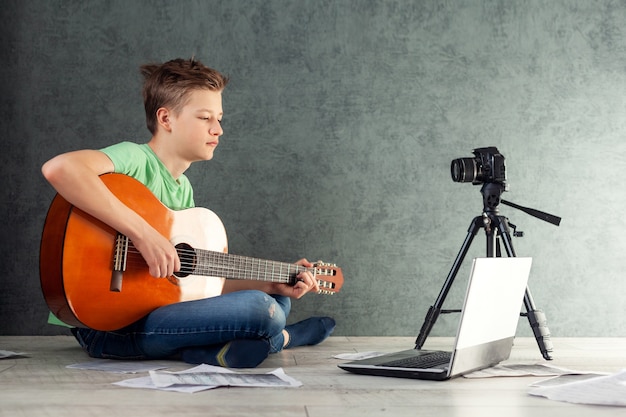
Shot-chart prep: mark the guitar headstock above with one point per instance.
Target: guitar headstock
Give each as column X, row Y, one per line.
column 329, row 277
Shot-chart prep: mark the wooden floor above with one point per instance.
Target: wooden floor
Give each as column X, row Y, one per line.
column 41, row 385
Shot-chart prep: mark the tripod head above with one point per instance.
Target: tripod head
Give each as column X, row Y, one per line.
column 492, row 192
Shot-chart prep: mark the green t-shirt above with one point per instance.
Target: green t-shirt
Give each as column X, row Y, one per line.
column 141, row 163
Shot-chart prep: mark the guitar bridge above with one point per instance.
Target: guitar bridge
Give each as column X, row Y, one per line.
column 119, row 262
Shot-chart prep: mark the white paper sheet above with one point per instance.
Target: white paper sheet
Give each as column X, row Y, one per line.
column 213, row 376
column 119, row 367
column 522, row 369
column 205, row 377
column 602, row 390
column 359, row 355
column 6, row 354
column 146, row 383
column 564, row 379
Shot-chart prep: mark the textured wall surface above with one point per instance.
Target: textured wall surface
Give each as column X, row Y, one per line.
column 342, row 118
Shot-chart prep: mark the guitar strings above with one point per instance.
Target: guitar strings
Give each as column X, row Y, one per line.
column 204, row 262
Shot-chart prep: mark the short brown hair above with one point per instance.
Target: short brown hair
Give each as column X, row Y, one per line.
column 170, row 83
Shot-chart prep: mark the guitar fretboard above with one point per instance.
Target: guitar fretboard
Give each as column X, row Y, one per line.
column 212, row 263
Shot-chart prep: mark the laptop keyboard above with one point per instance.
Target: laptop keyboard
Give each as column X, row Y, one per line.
column 425, row 361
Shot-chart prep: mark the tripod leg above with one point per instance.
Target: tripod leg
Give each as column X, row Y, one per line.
column 435, row 310
column 536, row 318
column 539, row 325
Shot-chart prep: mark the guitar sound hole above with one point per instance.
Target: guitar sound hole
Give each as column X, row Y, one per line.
column 187, row 255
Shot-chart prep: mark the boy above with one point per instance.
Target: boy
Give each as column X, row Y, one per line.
column 183, row 103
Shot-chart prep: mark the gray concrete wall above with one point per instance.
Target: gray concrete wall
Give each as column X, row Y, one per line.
column 341, row 120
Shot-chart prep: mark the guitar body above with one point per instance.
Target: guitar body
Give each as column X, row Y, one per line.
column 77, row 253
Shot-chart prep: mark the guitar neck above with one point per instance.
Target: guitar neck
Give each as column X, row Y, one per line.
column 218, row 264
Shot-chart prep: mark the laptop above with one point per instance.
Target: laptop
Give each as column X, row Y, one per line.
column 486, row 330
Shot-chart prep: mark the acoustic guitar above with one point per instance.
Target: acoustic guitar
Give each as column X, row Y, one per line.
column 92, row 276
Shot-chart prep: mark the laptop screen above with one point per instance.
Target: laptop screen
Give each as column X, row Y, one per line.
column 493, row 300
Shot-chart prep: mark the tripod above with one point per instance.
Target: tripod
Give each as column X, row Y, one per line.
column 496, row 229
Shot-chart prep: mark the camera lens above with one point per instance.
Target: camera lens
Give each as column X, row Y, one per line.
column 463, row 170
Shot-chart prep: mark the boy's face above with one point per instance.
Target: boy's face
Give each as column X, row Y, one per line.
column 197, row 127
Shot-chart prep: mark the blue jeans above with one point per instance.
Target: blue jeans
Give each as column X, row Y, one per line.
column 167, row 330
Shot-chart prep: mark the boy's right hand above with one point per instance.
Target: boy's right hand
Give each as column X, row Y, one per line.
column 158, row 252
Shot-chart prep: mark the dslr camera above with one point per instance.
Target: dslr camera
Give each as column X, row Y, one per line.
column 487, row 166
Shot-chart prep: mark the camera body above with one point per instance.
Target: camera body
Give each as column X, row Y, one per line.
column 487, row 166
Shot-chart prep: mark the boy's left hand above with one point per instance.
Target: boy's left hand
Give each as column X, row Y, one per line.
column 305, row 282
